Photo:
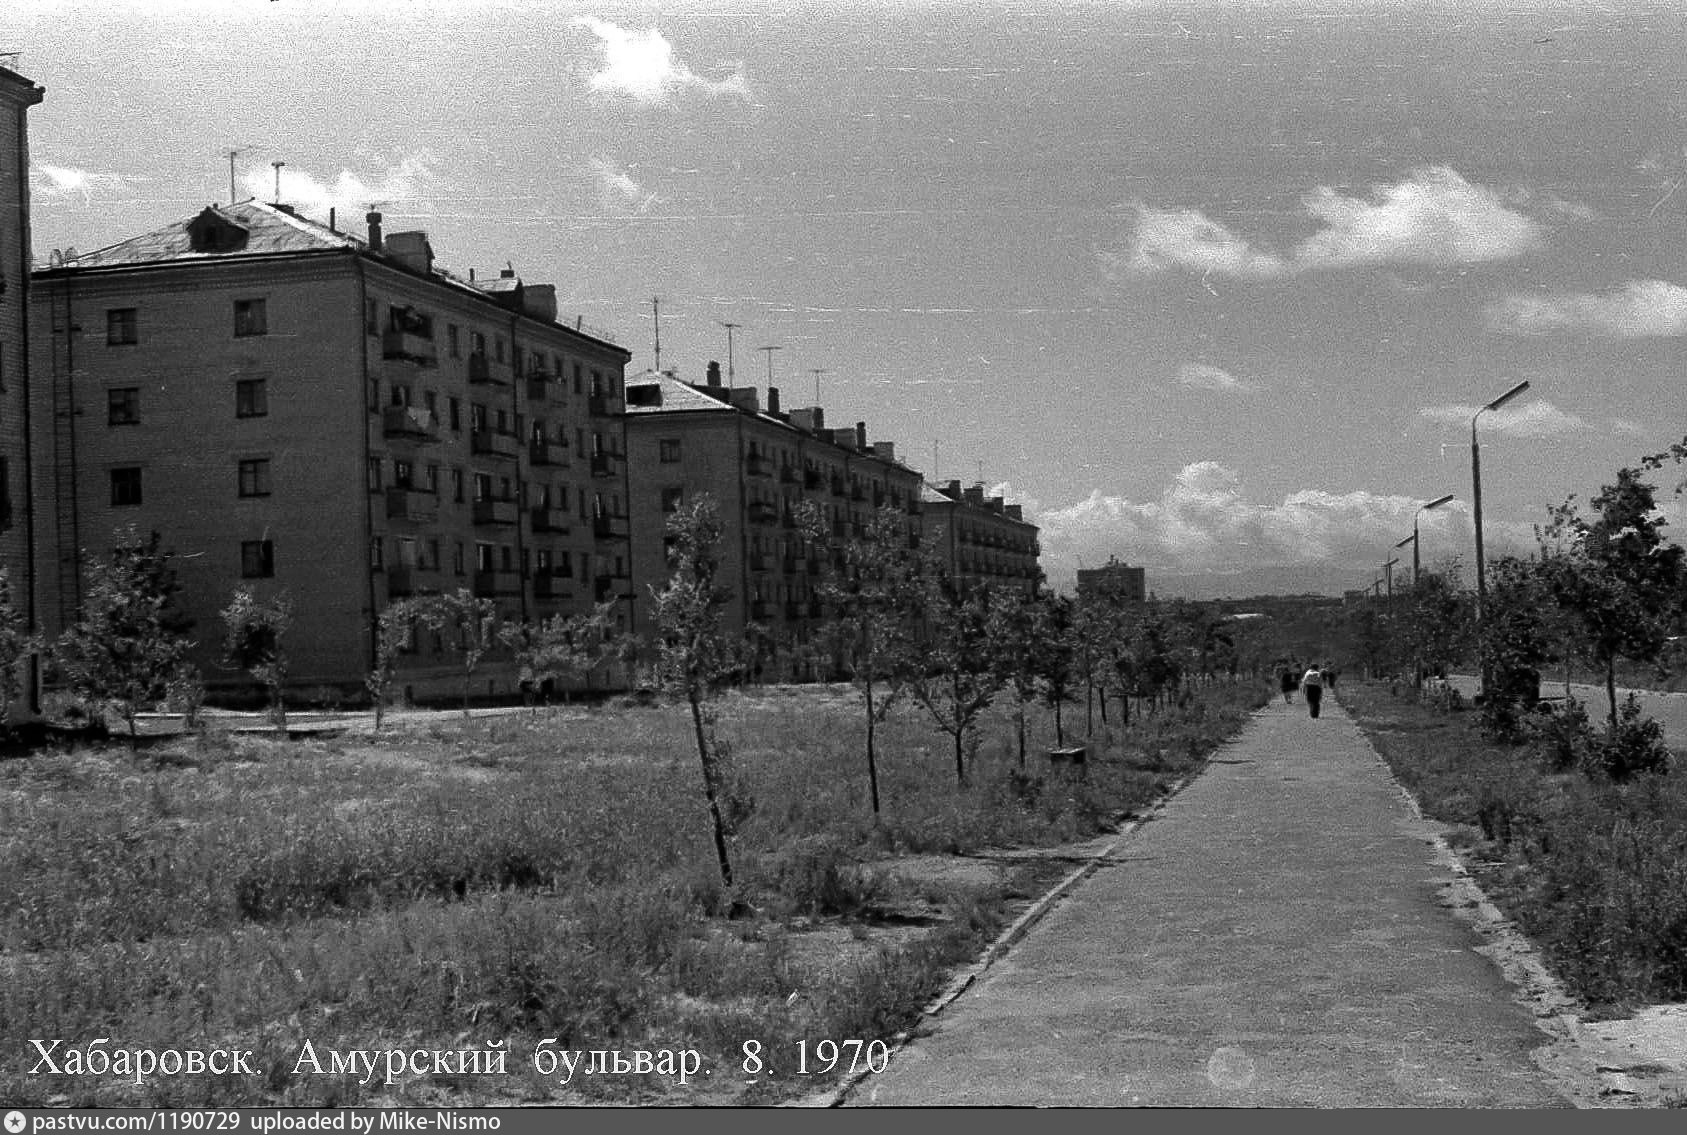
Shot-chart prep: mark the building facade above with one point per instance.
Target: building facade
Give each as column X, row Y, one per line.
column 979, row 539
column 295, row 408
column 1114, row 578
column 760, row 463
column 17, row 515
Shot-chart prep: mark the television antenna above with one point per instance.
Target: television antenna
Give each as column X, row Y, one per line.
column 729, row 327
column 278, row 166
column 817, row 372
column 770, row 351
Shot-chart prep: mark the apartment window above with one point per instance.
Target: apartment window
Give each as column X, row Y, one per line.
column 126, row 485
column 457, row 557
column 562, row 497
column 374, row 474
column 477, row 417
column 5, row 494
column 371, row 318
column 431, row 401
column 432, row 482
column 433, row 554
column 671, row 499
column 498, row 346
column 121, row 326
column 504, row 492
column 123, row 406
column 501, row 421
column 668, row 450
column 251, row 317
column 457, row 485
column 483, row 557
column 257, row 559
column 251, row 398
column 456, row 408
column 400, row 394
column 477, row 343
column 451, row 346
column 506, row 561
column 254, row 477
column 403, row 475
column 377, row 556
column 482, row 487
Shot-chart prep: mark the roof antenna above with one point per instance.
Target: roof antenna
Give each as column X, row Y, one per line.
column 278, row 166
column 656, row 323
column 231, row 157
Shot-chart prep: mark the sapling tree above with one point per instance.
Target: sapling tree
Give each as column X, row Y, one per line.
column 560, row 648
column 395, row 632
column 17, row 646
column 129, row 639
column 875, row 599
column 695, row 653
column 253, row 630
column 957, row 680
column 1017, row 628
column 469, row 625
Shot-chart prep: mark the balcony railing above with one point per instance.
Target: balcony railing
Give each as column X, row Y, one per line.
column 607, row 527
column 813, row 479
column 602, row 405
column 759, row 562
column 547, row 585
column 407, row 346
column 484, row 372
column 412, row 505
column 761, row 512
column 401, row 581
column 544, row 453
column 414, row 423
column 838, row 487
column 490, row 584
column 603, row 588
column 496, row 512
column 490, row 444
column 758, row 467
column 550, row 520
column 788, row 474
column 604, row 464
column 538, row 387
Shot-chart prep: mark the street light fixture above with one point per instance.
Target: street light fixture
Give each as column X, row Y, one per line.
column 1476, row 504
column 1436, row 503
column 1388, row 569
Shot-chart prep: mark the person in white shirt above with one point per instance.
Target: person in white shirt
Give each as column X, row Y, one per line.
column 1312, row 684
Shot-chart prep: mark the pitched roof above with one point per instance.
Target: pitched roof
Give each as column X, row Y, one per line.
column 676, row 395
column 269, row 231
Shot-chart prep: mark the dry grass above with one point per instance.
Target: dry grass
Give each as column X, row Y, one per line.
column 521, row 878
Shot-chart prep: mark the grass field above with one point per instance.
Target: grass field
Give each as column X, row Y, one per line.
column 523, row 879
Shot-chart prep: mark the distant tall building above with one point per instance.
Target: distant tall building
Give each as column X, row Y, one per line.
column 17, row 515
column 1114, row 578
column 292, row 407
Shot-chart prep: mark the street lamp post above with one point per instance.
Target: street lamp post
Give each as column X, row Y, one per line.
column 1476, row 503
column 1388, row 569
column 1436, row 503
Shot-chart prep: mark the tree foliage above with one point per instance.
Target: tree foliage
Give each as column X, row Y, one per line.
column 252, row 640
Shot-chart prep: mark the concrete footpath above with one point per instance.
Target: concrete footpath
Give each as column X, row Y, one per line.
column 1275, row 936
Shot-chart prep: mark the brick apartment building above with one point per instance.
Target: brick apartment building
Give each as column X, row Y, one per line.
column 980, row 539
column 759, row 463
column 17, row 517
column 297, row 408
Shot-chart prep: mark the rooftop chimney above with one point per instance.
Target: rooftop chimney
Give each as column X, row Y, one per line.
column 807, row 418
column 745, row 398
column 713, row 377
column 539, row 301
column 773, row 400
column 861, row 436
column 885, row 450
column 1015, row 512
column 953, row 491
column 412, row 250
column 374, row 220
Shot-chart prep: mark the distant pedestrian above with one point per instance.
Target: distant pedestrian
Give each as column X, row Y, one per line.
column 1313, row 683
column 1289, row 683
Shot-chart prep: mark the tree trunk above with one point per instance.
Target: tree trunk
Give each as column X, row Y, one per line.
column 872, row 758
column 278, row 709
column 960, row 759
column 707, row 760
column 1611, row 691
column 1059, row 733
column 467, row 677
column 1021, row 724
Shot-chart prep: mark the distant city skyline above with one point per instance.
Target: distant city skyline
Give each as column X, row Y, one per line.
column 1213, row 288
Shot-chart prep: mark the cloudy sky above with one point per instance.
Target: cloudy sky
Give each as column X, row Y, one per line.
column 1211, row 287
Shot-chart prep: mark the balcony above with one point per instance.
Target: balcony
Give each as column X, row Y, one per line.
column 760, row 563
column 760, row 609
column 485, row 443
column 602, row 405
column 813, row 479
column 483, row 372
column 538, row 387
column 412, row 505
column 788, row 474
column 549, row 586
column 604, row 464
column 492, row 584
column 401, row 581
column 550, row 520
column 603, row 588
column 915, row 506
column 544, row 453
column 838, row 487
column 409, row 423
column 857, row 493
column 607, row 527
column 758, row 467
column 409, row 347
column 496, row 512
column 762, row 512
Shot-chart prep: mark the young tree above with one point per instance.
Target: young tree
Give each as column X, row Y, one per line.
column 1018, row 629
column 129, row 640
column 468, row 623
column 560, row 648
column 1436, row 620
column 253, row 630
column 1521, row 632
column 875, row 602
column 17, row 646
column 957, row 680
column 395, row 631
column 1617, row 575
column 1056, row 650
column 695, row 653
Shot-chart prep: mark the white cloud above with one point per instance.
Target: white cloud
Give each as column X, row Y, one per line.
column 1204, row 522
column 1434, row 216
column 642, row 66
column 1627, row 427
column 1639, row 309
column 618, row 192
column 411, row 179
column 69, row 181
column 1534, row 419
column 1203, row 377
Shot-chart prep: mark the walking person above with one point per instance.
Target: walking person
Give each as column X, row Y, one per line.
column 1313, row 683
column 1289, row 683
